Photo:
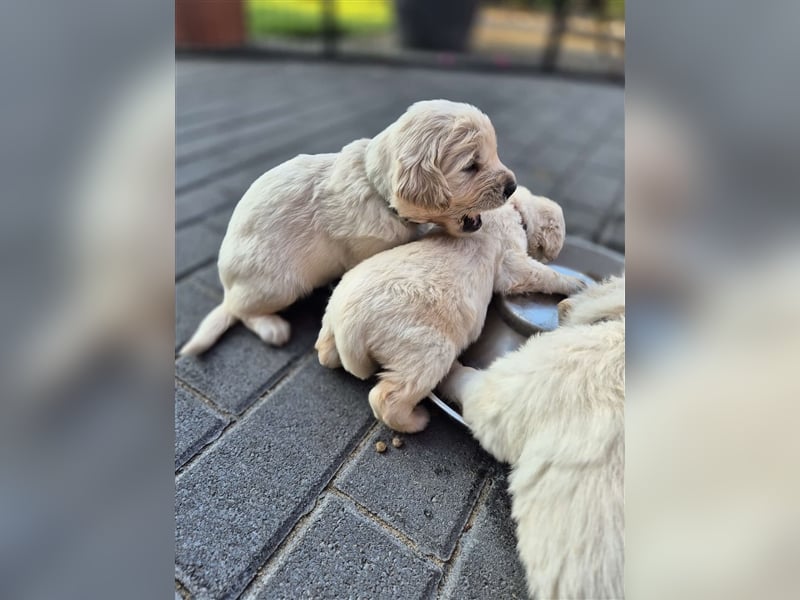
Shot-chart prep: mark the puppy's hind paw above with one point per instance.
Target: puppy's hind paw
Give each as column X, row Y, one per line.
column 416, row 422
column 272, row 329
column 328, row 355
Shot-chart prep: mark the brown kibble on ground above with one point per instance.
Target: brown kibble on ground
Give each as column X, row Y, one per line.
column 380, row 447
column 397, row 442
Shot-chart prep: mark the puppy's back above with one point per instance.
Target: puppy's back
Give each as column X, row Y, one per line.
column 430, row 283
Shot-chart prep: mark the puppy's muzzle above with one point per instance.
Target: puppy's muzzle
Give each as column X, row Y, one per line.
column 471, row 224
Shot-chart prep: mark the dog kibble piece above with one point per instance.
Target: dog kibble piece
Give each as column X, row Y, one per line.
column 380, row 447
column 397, row 442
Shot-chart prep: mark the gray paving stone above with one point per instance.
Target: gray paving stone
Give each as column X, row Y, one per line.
column 613, row 234
column 609, row 154
column 556, row 159
column 219, row 220
column 595, row 116
column 194, row 246
column 574, row 133
column 196, row 425
column 425, row 489
column 591, row 190
column 237, row 501
column 343, row 554
column 580, row 221
column 487, row 566
column 539, row 181
column 197, row 203
column 208, row 278
column 240, row 367
column 529, row 132
column 191, row 305
column 348, row 117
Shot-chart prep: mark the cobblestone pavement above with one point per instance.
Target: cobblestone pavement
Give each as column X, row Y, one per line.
column 279, row 490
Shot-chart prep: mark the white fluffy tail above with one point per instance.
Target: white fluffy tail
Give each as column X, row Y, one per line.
column 217, row 322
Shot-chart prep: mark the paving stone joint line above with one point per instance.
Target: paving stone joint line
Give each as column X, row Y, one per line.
column 286, row 372
column 282, row 549
column 205, row 399
column 594, row 142
column 480, row 502
column 295, row 533
column 182, row 591
column 396, row 533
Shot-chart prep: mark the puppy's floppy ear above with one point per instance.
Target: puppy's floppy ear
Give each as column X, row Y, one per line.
column 418, row 178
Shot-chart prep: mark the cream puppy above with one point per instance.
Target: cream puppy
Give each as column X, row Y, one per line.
column 554, row 410
column 310, row 219
column 413, row 309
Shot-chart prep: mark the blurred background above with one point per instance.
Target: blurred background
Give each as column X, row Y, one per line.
column 575, row 36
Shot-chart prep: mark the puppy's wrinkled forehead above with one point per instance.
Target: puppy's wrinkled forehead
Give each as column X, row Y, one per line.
column 455, row 128
column 472, row 137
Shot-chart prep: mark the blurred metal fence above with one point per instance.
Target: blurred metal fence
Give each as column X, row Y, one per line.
column 583, row 37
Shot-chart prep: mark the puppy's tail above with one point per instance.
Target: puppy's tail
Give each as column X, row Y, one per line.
column 217, row 322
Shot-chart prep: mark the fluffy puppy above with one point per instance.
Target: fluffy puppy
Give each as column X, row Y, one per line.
column 413, row 309
column 310, row 219
column 554, row 410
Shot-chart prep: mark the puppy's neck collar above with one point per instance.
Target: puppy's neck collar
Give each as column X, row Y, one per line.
column 373, row 169
column 393, row 210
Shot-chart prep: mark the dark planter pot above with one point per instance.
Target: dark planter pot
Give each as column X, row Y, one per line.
column 436, row 24
column 209, row 24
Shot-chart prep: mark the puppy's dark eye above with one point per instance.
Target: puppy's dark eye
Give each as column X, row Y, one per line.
column 471, row 167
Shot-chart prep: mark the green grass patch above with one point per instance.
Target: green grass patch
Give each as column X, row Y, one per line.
column 304, row 17
column 616, row 9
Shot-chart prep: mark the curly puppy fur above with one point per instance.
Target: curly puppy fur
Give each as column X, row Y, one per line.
column 413, row 309
column 554, row 410
column 310, row 219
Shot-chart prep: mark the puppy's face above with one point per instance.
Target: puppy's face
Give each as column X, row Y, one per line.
column 543, row 221
column 447, row 168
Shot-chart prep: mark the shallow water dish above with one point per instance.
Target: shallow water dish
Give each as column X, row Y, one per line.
column 511, row 320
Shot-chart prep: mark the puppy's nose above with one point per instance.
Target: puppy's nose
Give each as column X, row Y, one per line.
column 510, row 188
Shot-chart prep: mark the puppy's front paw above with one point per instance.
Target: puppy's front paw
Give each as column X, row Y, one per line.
column 569, row 285
column 564, row 307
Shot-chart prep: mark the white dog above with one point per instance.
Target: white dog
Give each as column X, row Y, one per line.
column 310, row 219
column 554, row 410
column 413, row 309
